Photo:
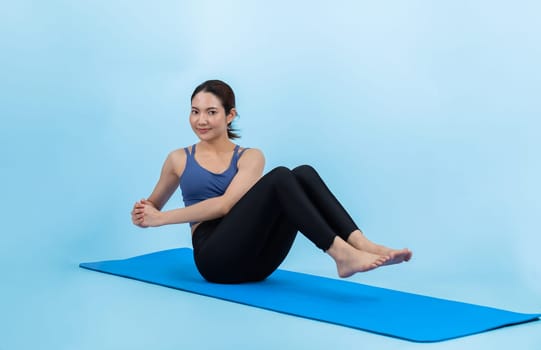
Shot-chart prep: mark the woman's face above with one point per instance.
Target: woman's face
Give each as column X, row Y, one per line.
column 207, row 117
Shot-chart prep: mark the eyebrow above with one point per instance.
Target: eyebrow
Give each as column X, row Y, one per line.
column 193, row 107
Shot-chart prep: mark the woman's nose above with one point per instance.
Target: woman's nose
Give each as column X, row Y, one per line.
column 202, row 119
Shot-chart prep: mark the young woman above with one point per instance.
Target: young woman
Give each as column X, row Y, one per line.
column 243, row 225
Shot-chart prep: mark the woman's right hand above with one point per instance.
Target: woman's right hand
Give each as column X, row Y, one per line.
column 137, row 212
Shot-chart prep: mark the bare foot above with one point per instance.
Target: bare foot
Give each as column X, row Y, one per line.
column 359, row 262
column 396, row 256
column 350, row 260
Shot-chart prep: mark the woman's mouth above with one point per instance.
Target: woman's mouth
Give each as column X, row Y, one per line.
column 202, row 131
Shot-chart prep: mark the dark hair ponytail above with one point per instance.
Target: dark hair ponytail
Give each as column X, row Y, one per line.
column 225, row 94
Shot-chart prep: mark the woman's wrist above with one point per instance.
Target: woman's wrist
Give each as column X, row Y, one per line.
column 151, row 203
column 163, row 218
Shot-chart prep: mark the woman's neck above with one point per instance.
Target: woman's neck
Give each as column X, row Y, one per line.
column 216, row 146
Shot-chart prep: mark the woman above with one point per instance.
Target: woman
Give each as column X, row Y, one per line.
column 243, row 225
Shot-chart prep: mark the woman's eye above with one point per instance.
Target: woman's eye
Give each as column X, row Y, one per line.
column 194, row 111
column 212, row 112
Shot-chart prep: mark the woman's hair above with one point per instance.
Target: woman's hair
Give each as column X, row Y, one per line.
column 225, row 94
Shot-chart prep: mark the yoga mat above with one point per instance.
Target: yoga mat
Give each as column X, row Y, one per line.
column 384, row 311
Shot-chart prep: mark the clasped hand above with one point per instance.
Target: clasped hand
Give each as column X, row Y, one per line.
column 145, row 214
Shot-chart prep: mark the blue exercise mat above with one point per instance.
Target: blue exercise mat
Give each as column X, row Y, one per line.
column 393, row 313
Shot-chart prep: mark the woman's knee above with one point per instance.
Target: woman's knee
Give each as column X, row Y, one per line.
column 281, row 177
column 305, row 171
column 280, row 169
column 279, row 172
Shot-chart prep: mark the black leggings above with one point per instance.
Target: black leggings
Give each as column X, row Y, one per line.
column 252, row 240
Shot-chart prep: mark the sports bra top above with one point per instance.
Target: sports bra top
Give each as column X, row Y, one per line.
column 198, row 183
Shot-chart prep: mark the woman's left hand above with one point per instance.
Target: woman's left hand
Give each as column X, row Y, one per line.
column 146, row 215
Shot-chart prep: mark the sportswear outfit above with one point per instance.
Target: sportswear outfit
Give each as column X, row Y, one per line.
column 255, row 236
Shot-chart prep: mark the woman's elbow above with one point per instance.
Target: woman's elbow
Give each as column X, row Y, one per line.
column 226, row 206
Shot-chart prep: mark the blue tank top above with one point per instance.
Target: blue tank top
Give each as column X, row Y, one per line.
column 198, row 183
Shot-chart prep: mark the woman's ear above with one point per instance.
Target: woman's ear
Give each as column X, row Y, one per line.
column 232, row 114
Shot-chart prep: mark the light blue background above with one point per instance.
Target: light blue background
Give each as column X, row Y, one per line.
column 423, row 117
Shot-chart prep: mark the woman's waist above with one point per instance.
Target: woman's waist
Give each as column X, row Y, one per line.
column 195, row 226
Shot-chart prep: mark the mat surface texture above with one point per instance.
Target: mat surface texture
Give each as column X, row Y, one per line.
column 388, row 312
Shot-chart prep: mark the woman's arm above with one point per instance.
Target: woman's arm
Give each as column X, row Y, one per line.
column 172, row 169
column 250, row 169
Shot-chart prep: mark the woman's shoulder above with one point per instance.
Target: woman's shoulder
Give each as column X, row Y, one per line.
column 251, row 155
column 177, row 160
column 251, row 150
column 178, row 153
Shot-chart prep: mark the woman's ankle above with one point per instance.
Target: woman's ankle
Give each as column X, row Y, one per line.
column 337, row 248
column 356, row 239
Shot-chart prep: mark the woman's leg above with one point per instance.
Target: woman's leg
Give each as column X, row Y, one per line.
column 340, row 222
column 325, row 201
column 339, row 219
column 250, row 241
column 255, row 236
column 222, row 258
